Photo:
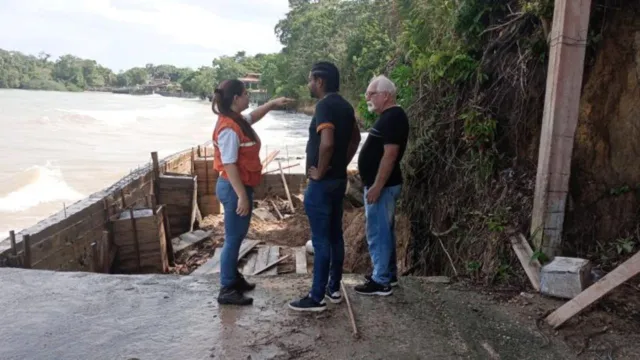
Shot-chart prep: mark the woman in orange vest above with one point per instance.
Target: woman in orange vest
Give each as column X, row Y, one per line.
column 237, row 160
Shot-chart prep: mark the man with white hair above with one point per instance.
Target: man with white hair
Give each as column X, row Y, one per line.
column 379, row 166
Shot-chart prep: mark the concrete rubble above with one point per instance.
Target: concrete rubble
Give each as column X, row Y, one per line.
column 565, row 277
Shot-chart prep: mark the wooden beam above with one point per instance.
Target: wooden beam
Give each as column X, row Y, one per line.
column 275, row 207
column 193, row 162
column 301, row 259
column 560, row 118
column 619, row 275
column 269, row 159
column 194, row 203
column 171, row 256
column 349, row 309
column 156, row 165
column 26, row 242
column 96, row 259
column 283, row 168
column 531, row 267
column 206, row 173
column 136, row 243
column 14, row 249
column 286, row 187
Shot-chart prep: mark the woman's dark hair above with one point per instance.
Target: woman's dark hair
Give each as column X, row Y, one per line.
column 221, row 104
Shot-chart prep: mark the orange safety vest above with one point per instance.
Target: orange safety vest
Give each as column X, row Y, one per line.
column 248, row 162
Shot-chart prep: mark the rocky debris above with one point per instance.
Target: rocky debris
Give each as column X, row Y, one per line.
column 264, row 214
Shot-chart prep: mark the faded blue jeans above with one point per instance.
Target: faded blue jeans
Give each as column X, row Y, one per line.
column 323, row 205
column 236, row 228
column 381, row 235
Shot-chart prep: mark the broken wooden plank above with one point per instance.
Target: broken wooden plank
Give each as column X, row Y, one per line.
column 188, row 240
column 270, row 265
column 274, row 254
column 531, row 266
column 250, row 266
column 593, row 293
column 212, row 266
column 247, row 245
column 301, row 260
column 263, row 258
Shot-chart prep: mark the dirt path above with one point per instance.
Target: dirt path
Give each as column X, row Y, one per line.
column 50, row 315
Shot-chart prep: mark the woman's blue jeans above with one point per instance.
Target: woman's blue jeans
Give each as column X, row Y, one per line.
column 236, row 228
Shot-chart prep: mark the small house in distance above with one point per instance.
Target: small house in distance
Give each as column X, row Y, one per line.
column 257, row 94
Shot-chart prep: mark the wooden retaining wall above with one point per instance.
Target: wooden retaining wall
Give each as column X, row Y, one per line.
column 64, row 243
column 272, row 185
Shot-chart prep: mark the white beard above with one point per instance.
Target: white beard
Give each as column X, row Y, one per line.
column 370, row 106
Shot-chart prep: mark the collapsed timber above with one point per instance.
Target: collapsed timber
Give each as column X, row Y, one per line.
column 166, row 218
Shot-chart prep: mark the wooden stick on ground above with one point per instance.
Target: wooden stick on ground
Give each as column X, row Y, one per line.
column 286, row 187
column 277, row 211
column 593, row 293
column 349, row 309
column 266, row 267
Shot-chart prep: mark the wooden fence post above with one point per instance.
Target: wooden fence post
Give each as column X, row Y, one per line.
column 26, row 242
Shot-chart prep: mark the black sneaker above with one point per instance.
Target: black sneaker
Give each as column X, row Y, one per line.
column 231, row 296
column 242, row 284
column 335, row 297
column 371, row 287
column 393, row 283
column 307, row 304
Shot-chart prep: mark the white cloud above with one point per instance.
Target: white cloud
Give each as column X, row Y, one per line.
column 179, row 22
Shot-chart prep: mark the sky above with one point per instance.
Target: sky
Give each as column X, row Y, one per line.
column 121, row 34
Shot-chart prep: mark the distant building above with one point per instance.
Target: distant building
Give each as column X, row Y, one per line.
column 251, row 81
column 252, row 84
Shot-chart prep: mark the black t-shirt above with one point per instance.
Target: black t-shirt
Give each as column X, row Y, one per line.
column 391, row 128
column 332, row 111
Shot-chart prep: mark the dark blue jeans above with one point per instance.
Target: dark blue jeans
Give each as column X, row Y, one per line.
column 236, row 228
column 381, row 235
column 324, row 208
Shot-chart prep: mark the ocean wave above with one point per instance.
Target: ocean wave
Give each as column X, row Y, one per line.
column 124, row 117
column 37, row 185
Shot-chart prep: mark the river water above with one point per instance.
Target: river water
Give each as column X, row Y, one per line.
column 58, row 148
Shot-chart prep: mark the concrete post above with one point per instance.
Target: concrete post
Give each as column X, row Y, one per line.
column 562, row 99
